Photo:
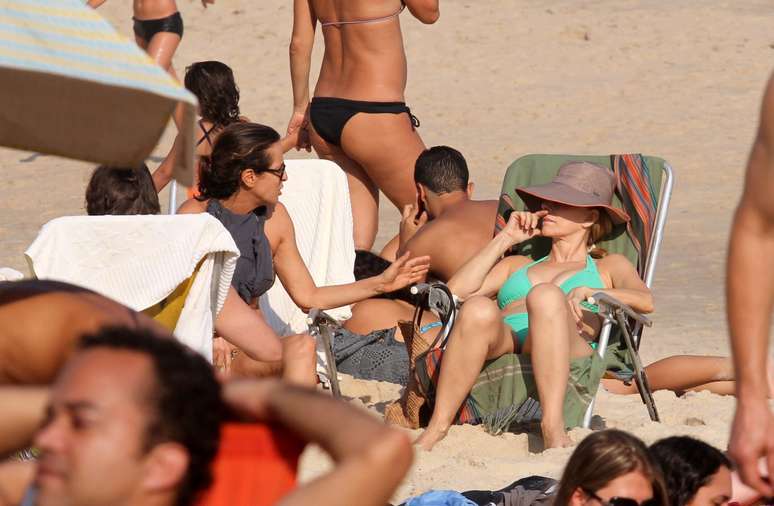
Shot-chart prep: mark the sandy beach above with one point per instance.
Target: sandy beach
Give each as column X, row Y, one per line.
column 497, row 80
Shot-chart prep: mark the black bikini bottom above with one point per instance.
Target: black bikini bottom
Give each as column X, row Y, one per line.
column 147, row 28
column 329, row 115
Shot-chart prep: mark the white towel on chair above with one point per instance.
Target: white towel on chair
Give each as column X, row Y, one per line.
column 316, row 195
column 139, row 260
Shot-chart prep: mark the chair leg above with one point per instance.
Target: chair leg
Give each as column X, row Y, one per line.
column 640, row 378
column 333, row 374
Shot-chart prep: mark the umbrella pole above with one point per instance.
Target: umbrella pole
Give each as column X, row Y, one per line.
column 173, row 197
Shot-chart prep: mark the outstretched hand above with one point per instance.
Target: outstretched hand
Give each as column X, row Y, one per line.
column 523, row 225
column 404, row 272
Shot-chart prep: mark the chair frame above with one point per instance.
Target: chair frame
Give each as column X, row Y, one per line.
column 613, row 312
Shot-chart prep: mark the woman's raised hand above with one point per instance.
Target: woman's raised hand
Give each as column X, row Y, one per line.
column 404, row 272
column 523, row 225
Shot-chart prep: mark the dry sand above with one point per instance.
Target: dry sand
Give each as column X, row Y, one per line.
column 499, row 79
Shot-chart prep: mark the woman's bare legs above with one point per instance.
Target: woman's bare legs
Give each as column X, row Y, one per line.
column 478, row 335
column 162, row 48
column 363, row 193
column 387, row 147
column 681, row 373
column 553, row 340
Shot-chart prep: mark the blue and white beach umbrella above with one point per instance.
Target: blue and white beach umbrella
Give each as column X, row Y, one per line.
column 70, row 85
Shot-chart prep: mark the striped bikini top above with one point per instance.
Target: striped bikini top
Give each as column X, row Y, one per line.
column 518, row 285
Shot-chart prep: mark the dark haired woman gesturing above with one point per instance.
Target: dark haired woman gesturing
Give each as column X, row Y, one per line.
column 240, row 186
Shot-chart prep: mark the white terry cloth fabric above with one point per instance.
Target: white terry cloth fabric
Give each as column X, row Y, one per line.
column 8, row 274
column 139, row 260
column 316, row 196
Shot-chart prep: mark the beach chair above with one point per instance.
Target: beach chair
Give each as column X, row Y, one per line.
column 177, row 269
column 645, row 188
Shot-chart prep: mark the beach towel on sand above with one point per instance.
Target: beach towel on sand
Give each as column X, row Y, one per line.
column 316, row 196
column 505, row 392
column 139, row 260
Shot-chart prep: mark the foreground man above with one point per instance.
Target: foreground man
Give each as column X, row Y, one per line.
column 133, row 419
column 750, row 292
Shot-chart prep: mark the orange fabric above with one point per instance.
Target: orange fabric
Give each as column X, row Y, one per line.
column 256, row 466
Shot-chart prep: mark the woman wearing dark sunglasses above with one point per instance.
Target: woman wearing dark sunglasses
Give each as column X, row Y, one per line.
column 611, row 468
column 240, row 184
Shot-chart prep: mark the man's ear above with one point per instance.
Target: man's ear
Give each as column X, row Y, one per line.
column 421, row 193
column 165, row 467
column 470, row 188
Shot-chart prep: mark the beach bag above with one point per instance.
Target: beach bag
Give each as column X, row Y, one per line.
column 376, row 356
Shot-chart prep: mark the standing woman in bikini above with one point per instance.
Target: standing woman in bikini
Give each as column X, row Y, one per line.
column 158, row 29
column 358, row 117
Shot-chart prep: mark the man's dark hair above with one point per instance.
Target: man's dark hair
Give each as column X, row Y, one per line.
column 186, row 400
column 442, row 170
column 121, row 190
column 687, row 464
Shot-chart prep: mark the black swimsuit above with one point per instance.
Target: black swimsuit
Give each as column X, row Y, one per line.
column 254, row 273
column 147, row 28
column 329, row 115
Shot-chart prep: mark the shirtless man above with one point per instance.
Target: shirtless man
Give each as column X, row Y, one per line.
column 444, row 223
column 119, row 427
column 750, row 293
column 40, row 322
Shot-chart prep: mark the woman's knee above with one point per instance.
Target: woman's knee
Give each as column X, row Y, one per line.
column 546, row 297
column 480, row 311
column 298, row 348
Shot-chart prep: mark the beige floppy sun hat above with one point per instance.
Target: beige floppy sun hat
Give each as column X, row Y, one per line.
column 578, row 184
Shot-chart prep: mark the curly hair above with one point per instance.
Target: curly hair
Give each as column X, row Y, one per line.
column 213, row 84
column 604, row 456
column 239, row 147
column 186, row 400
column 121, row 190
column 688, row 464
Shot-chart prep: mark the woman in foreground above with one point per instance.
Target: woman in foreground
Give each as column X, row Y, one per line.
column 542, row 307
column 611, row 468
column 240, row 186
column 358, row 117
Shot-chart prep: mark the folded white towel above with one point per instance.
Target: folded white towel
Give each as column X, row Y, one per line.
column 8, row 274
column 139, row 260
column 316, row 195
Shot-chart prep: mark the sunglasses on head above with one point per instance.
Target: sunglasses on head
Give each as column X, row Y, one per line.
column 618, row 501
column 279, row 171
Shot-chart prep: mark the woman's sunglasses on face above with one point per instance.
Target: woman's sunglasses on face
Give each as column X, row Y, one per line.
column 618, row 501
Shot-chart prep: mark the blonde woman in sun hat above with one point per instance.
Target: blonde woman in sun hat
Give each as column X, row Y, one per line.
column 540, row 308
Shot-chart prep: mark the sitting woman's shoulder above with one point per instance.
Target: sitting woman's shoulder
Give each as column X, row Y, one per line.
column 192, row 206
column 614, row 261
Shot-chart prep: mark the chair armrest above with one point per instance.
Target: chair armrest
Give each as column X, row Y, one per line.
column 605, row 300
column 319, row 317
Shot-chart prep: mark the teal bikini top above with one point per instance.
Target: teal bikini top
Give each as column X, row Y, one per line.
column 518, row 285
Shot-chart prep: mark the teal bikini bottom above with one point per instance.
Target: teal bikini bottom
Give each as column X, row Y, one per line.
column 519, row 324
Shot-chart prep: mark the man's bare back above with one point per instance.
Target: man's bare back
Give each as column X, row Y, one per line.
column 41, row 321
column 455, row 236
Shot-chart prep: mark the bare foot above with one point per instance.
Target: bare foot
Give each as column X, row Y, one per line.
column 555, row 438
column 429, row 438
